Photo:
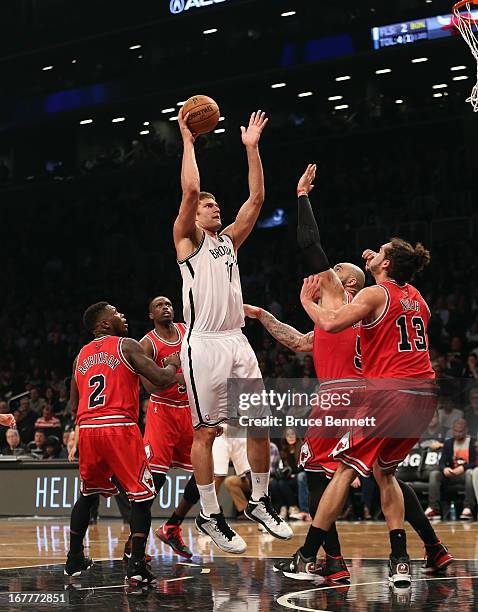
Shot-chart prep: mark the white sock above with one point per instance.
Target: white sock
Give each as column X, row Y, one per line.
column 260, row 485
column 208, row 496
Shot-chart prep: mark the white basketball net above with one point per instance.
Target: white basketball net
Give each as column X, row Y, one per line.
column 467, row 24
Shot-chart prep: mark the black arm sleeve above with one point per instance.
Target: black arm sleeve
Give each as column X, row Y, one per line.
column 308, row 238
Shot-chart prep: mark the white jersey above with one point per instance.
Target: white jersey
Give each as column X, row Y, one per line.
column 212, row 294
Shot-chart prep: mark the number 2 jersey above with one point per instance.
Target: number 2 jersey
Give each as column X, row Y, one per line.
column 395, row 345
column 108, row 386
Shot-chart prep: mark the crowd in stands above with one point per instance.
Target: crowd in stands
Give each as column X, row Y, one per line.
column 110, row 238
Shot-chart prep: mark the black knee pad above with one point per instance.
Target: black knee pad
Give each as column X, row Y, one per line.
column 141, row 516
column 191, row 491
column 317, row 482
column 159, row 480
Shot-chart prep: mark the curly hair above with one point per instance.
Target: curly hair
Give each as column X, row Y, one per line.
column 405, row 260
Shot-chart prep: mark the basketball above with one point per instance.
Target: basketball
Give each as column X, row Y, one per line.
column 203, row 114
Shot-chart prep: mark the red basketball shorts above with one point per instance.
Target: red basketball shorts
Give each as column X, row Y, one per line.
column 401, row 416
column 106, row 451
column 168, row 437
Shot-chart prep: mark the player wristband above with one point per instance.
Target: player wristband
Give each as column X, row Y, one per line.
column 301, row 192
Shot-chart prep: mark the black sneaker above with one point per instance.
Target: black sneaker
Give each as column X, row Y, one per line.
column 223, row 536
column 333, row 569
column 264, row 513
column 399, row 572
column 298, row 568
column 127, row 552
column 437, row 558
column 138, row 573
column 77, row 563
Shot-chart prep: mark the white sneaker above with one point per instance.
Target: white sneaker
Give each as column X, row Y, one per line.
column 263, row 512
column 466, row 515
column 217, row 528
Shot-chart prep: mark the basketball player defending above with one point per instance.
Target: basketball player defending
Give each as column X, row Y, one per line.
column 215, row 348
column 105, row 387
column 168, row 435
column 400, row 382
column 336, row 356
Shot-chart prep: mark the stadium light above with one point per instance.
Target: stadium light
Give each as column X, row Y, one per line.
column 210, row 31
column 45, row 68
column 383, row 71
column 455, row 68
column 288, row 14
column 278, row 85
column 332, row 98
column 118, row 120
column 221, row 118
column 182, row 103
column 343, row 78
column 145, row 122
column 173, row 118
column 341, row 107
column 460, row 78
column 305, row 94
column 399, row 101
column 219, row 131
column 440, row 86
column 168, row 110
column 133, row 47
column 438, row 95
column 144, row 132
column 419, row 60
column 86, row 121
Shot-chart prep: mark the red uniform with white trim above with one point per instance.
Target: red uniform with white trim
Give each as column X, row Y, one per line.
column 337, row 365
column 168, row 434
column 401, row 392
column 110, row 441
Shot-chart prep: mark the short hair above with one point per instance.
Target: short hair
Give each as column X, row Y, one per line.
column 203, row 195
column 405, row 260
column 92, row 314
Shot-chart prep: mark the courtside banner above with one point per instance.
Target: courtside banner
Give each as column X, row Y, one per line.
column 380, row 408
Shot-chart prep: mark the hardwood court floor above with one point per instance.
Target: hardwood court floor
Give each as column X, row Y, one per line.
column 33, row 550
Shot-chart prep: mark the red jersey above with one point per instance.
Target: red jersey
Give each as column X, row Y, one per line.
column 108, row 385
column 395, row 345
column 337, row 356
column 175, row 395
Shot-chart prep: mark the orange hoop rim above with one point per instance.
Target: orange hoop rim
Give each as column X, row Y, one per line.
column 459, row 5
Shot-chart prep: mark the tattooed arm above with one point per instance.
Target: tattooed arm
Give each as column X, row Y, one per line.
column 285, row 334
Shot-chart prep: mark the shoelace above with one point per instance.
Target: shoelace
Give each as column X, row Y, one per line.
column 222, row 527
column 271, row 510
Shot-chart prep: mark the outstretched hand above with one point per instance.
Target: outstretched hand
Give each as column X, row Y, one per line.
column 310, row 289
column 368, row 255
column 307, row 179
column 187, row 135
column 252, row 134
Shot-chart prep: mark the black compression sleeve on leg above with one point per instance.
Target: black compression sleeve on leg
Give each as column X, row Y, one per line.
column 159, row 480
column 308, row 237
column 317, row 482
column 191, row 491
column 141, row 517
column 80, row 517
column 415, row 515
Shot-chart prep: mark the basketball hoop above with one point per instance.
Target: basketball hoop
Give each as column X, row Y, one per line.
column 467, row 24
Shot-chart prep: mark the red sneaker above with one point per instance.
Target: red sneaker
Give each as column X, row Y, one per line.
column 171, row 535
column 333, row 569
column 437, row 558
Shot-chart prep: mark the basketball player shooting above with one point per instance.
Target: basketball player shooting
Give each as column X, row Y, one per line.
column 215, row 348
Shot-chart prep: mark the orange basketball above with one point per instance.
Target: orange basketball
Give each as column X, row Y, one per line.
column 203, row 114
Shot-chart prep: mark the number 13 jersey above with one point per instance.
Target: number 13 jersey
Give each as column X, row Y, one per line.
column 395, row 345
column 212, row 294
column 108, row 386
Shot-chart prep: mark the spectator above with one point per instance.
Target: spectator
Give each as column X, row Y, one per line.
column 54, row 450
column 434, row 436
column 37, row 446
column 62, row 401
column 3, row 410
column 471, row 368
column 471, row 412
column 26, row 419
column 448, row 413
column 36, row 402
column 48, row 420
column 239, row 488
column 14, row 445
column 455, row 468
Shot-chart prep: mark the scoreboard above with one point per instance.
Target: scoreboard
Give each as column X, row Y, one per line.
column 407, row 32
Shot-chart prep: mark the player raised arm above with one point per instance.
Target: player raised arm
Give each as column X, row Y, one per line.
column 186, row 234
column 308, row 237
column 249, row 211
column 368, row 304
column 145, row 366
column 283, row 333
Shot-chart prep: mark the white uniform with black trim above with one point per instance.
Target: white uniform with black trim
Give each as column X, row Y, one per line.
column 214, row 348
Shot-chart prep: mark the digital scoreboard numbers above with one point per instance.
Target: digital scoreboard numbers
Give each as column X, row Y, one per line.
column 400, row 33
